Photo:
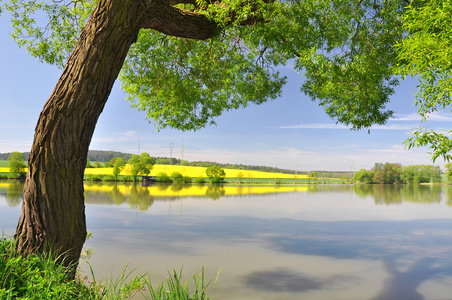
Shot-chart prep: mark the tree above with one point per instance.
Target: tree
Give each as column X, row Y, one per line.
column 363, row 176
column 314, row 175
column 426, row 53
column 16, row 162
column 240, row 176
column 215, row 174
column 387, row 173
column 118, row 165
column 141, row 165
column 417, row 174
column 184, row 62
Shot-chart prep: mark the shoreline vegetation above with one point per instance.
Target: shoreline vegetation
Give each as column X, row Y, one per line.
column 166, row 172
column 43, row 277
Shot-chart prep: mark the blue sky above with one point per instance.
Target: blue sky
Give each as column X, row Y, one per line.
column 290, row 132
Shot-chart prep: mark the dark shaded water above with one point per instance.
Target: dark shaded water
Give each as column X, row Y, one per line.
column 309, row 242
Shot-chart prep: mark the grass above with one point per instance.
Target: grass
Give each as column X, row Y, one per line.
column 36, row 277
column 41, row 277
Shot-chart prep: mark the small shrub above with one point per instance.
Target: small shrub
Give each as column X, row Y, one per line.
column 177, row 177
column 109, row 178
column 187, row 179
column 200, row 180
column 163, row 177
column 93, row 177
column 126, row 178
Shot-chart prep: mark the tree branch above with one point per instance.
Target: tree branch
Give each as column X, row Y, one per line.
column 178, row 22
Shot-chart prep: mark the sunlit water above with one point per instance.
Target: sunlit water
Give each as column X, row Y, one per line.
column 306, row 242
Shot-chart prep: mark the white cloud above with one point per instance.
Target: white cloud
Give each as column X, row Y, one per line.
column 21, row 146
column 117, row 137
column 341, row 126
column 436, row 116
column 409, row 117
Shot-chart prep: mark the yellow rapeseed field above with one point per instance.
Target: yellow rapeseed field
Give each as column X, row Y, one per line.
column 188, row 171
column 6, row 169
column 195, row 172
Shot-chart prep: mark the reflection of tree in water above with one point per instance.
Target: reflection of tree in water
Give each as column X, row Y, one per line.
column 140, row 198
column 363, row 190
column 448, row 195
column 396, row 194
column 387, row 194
column 116, row 195
column 403, row 285
column 162, row 186
column 215, row 191
column 14, row 193
column 177, row 186
column 413, row 252
column 423, row 193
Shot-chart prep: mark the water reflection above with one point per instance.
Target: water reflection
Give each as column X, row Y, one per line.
column 396, row 194
column 142, row 198
column 12, row 191
column 322, row 242
column 404, row 285
column 283, row 281
column 413, row 252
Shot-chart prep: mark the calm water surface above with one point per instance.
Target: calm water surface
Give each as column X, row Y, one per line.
column 305, row 242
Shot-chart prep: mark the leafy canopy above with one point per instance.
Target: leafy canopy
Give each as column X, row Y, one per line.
column 215, row 174
column 350, row 53
column 118, row 165
column 344, row 48
column 426, row 53
column 141, row 164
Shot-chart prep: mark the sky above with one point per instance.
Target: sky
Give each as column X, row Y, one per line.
column 291, row 132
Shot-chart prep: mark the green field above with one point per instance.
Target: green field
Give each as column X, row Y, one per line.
column 3, row 163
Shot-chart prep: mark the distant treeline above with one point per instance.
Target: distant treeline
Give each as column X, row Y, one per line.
column 4, row 156
column 393, row 173
column 106, row 156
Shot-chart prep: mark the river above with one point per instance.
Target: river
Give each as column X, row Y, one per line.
column 272, row 242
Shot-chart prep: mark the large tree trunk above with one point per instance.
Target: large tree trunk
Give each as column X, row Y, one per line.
column 53, row 211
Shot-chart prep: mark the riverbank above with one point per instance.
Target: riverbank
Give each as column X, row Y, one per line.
column 41, row 277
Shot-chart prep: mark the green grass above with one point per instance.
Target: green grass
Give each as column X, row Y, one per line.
column 41, row 277
column 36, row 277
column 4, row 163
